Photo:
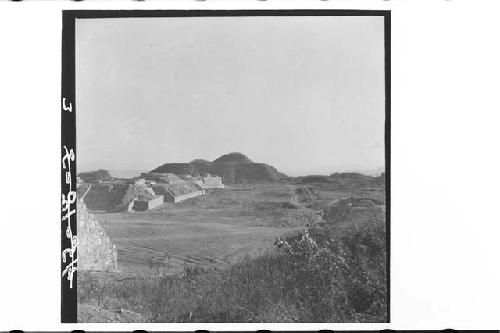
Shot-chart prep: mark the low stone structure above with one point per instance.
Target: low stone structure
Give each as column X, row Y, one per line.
column 146, row 203
column 181, row 197
column 95, row 249
column 172, row 187
column 142, row 193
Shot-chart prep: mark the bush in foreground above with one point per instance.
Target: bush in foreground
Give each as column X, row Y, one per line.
column 341, row 277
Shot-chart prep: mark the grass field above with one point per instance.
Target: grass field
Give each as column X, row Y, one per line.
column 210, row 230
column 224, row 238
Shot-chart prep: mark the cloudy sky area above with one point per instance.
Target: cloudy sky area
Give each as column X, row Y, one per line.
column 304, row 94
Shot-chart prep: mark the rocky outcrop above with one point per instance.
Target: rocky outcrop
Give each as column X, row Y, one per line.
column 95, row 249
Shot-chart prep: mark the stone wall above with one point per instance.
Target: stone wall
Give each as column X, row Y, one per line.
column 95, row 249
column 183, row 197
column 208, row 182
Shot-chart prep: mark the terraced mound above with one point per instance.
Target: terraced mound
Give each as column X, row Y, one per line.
column 232, row 168
column 233, row 172
column 201, row 167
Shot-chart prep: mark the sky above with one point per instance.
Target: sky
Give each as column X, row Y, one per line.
column 303, row 94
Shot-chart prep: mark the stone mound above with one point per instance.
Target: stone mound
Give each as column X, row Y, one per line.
column 199, row 161
column 233, row 158
column 176, row 168
column 232, row 168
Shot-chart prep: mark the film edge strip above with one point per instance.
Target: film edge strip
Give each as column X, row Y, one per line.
column 68, row 174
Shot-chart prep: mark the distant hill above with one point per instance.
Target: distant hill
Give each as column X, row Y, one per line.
column 350, row 175
column 341, row 179
column 380, row 180
column 94, row 176
column 232, row 168
column 313, row 179
column 368, row 172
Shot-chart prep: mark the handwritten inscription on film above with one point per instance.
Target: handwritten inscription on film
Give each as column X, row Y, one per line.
column 68, row 210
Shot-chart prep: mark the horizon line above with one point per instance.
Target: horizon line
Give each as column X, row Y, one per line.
column 370, row 171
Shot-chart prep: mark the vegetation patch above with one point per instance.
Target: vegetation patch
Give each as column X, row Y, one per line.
column 294, row 218
column 324, row 275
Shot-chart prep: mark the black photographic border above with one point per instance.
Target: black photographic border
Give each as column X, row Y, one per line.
column 68, row 113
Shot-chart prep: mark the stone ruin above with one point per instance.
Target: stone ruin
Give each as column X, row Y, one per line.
column 146, row 192
column 173, row 188
column 143, row 203
column 118, row 196
column 95, row 249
